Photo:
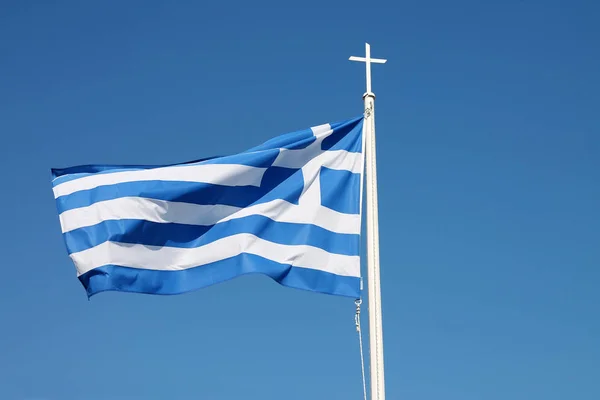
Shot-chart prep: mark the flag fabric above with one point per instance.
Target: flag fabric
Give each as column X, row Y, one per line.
column 289, row 209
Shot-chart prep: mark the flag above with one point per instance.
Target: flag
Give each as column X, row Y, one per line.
column 289, row 209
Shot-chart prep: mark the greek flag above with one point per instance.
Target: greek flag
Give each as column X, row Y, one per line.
column 289, row 209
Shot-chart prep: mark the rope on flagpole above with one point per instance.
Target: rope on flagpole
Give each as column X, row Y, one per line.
column 360, row 341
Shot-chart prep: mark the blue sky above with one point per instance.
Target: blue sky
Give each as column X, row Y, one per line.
column 489, row 183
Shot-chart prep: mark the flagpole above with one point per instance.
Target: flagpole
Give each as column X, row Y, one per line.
column 373, row 275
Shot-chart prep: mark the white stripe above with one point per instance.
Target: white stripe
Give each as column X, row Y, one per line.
column 334, row 159
column 324, row 129
column 341, row 160
column 303, row 213
column 194, row 214
column 144, row 209
column 173, row 259
column 222, row 174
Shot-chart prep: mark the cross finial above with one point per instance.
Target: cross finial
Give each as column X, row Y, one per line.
column 368, row 60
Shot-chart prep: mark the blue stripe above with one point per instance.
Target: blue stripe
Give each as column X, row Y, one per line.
column 189, row 236
column 340, row 190
column 125, row 279
column 346, row 135
column 263, row 159
column 277, row 183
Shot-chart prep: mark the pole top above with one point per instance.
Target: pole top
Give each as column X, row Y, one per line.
column 368, row 60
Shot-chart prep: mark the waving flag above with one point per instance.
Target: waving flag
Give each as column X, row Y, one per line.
column 289, row 209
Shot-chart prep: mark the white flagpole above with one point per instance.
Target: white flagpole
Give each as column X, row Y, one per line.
column 373, row 276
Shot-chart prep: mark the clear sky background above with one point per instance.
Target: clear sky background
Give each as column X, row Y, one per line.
column 489, row 181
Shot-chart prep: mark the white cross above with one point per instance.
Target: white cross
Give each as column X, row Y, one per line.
column 368, row 60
